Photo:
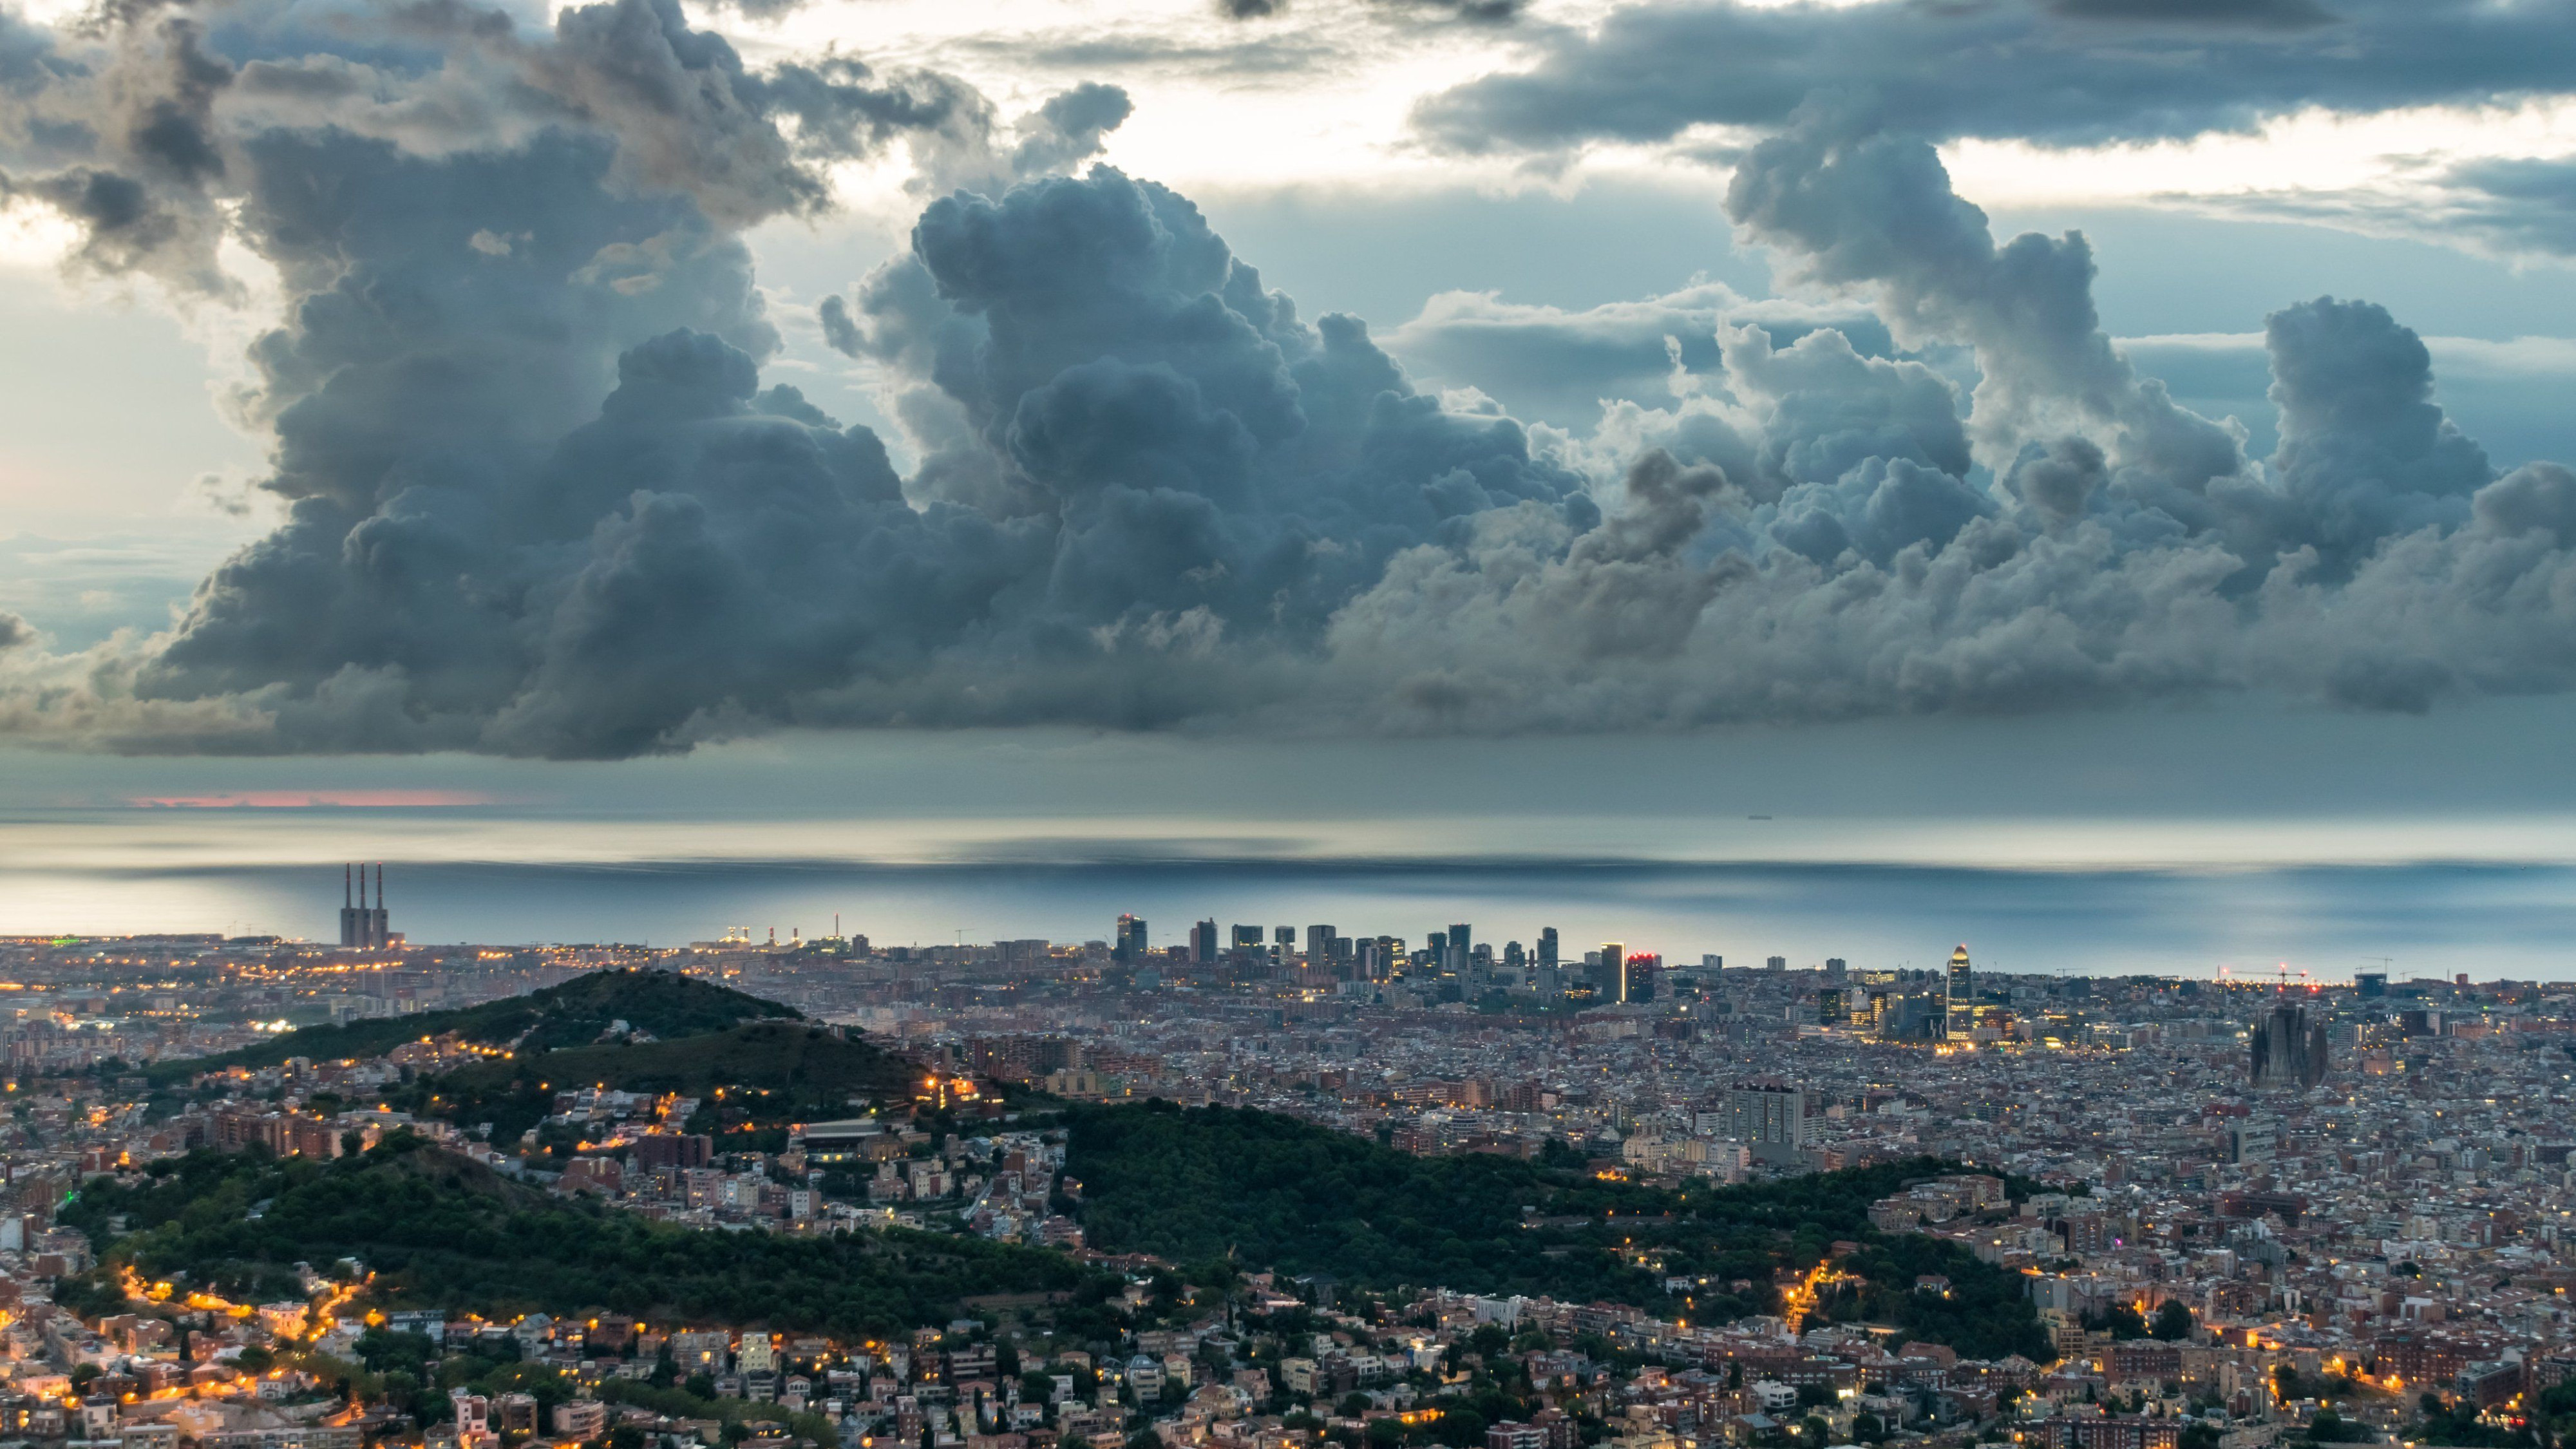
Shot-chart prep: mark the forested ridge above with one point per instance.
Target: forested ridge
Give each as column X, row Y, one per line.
column 772, row 1073
column 439, row 1230
column 661, row 1003
column 1260, row 1190
column 1274, row 1191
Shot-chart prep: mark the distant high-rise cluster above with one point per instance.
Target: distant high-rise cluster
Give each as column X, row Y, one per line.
column 2289, row 1049
column 363, row 927
column 1452, row 966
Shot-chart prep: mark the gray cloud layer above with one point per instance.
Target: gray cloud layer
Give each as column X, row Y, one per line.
column 2073, row 72
column 540, row 501
column 1483, row 12
column 2519, row 207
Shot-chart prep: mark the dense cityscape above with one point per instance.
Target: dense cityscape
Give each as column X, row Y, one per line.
column 2232, row 1213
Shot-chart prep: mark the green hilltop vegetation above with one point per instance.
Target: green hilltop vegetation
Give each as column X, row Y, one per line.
column 1203, row 1188
column 440, row 1230
column 572, row 1014
column 772, row 1073
column 1213, row 1190
column 1272, row 1191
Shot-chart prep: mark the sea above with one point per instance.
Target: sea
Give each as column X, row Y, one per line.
column 2089, row 898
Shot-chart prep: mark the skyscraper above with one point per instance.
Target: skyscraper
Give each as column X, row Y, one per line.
column 1957, row 1001
column 1462, row 944
column 1771, row 1118
column 1130, row 950
column 1637, row 977
column 1319, row 945
column 1611, row 975
column 1913, row 1016
column 2288, row 1049
column 1203, row 943
column 1547, row 947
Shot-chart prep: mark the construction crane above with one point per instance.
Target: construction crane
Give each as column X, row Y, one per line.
column 2305, row 980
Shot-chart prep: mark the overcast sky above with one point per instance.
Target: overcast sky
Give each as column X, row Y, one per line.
column 1285, row 426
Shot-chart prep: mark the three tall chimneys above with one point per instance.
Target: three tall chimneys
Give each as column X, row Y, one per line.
column 363, row 927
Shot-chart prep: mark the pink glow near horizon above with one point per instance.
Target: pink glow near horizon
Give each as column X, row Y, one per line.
column 315, row 800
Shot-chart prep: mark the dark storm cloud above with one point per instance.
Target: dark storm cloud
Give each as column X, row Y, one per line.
column 480, row 236
column 539, row 500
column 2292, row 14
column 2066, row 75
column 2080, row 540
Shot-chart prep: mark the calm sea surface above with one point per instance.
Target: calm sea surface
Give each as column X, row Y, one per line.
column 557, row 881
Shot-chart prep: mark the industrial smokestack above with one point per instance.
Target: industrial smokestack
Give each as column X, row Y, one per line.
column 348, row 907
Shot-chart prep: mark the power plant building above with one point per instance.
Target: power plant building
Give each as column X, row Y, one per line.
column 364, row 927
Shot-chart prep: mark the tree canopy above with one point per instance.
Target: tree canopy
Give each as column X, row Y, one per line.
column 440, row 1230
column 1273, row 1191
column 661, row 1003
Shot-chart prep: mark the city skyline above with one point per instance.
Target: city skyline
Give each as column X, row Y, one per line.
column 1068, row 919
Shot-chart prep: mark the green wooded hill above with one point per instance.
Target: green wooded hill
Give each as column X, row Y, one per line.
column 572, row 1014
column 440, row 1230
column 772, row 1073
column 1272, row 1191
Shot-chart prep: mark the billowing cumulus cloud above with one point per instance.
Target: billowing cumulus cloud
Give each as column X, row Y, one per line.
column 1558, row 366
column 539, row 498
column 2077, row 539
